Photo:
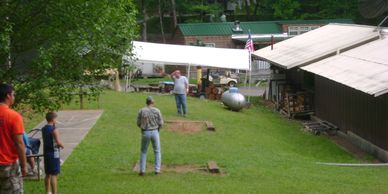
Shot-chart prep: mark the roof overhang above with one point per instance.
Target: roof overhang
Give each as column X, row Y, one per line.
column 364, row 68
column 317, row 44
column 261, row 37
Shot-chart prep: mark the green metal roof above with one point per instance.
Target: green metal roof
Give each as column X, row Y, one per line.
column 225, row 28
column 259, row 27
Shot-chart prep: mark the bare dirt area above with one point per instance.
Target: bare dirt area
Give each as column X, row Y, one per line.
column 175, row 168
column 186, row 127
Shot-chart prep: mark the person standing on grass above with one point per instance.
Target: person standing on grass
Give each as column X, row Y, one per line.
column 51, row 146
column 12, row 147
column 150, row 120
column 181, row 87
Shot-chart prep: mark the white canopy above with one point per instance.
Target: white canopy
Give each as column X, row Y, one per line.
column 191, row 55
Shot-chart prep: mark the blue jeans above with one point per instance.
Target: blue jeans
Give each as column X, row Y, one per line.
column 180, row 100
column 147, row 136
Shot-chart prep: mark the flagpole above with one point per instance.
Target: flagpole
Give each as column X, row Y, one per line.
column 250, row 75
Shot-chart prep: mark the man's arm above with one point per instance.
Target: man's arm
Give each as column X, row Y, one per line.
column 172, row 75
column 20, row 148
column 139, row 119
column 56, row 138
column 160, row 120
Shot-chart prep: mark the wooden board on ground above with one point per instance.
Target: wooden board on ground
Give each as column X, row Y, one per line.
column 210, row 126
column 213, row 167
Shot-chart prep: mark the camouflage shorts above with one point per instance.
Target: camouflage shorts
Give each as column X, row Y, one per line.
column 11, row 181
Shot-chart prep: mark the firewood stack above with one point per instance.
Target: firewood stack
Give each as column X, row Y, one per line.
column 212, row 92
column 297, row 102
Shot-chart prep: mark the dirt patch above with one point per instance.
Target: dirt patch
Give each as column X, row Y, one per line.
column 185, row 126
column 183, row 168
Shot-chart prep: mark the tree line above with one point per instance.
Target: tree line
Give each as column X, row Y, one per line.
column 247, row 10
column 54, row 51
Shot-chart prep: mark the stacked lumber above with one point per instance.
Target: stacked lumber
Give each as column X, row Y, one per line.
column 212, row 92
column 297, row 102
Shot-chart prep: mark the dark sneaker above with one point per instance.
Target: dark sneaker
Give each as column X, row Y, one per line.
column 157, row 173
column 141, row 174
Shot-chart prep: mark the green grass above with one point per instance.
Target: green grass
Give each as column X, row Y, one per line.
column 259, row 151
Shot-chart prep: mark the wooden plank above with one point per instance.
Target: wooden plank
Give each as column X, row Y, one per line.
column 210, row 126
column 213, row 167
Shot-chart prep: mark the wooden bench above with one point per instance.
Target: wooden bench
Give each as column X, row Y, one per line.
column 37, row 157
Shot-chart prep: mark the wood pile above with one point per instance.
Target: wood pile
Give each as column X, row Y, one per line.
column 212, row 92
column 300, row 102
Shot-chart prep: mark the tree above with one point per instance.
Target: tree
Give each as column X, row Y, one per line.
column 145, row 18
column 59, row 49
column 161, row 14
column 286, row 9
column 173, row 12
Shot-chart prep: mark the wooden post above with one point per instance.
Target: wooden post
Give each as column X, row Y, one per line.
column 81, row 98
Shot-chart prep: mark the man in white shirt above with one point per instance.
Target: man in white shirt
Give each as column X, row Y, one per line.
column 181, row 87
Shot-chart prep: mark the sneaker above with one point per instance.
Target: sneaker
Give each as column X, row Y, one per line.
column 157, row 173
column 30, row 173
column 141, row 174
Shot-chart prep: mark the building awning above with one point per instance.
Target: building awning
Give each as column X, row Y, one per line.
column 190, row 55
column 261, row 37
column 364, row 68
column 317, row 44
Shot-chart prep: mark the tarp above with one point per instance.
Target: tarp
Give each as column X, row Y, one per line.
column 191, row 55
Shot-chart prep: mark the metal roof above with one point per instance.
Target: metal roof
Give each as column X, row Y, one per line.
column 225, row 28
column 317, row 44
column 257, row 27
column 364, row 68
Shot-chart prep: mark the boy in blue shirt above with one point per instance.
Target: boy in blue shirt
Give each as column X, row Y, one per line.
column 51, row 146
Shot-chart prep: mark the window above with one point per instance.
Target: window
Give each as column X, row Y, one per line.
column 296, row 30
column 210, row 44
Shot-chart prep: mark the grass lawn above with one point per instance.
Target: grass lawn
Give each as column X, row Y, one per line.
column 259, row 151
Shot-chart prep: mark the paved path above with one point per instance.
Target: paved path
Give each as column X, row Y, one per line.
column 73, row 126
column 254, row 91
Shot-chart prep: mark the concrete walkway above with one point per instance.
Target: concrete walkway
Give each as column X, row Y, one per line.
column 73, row 126
column 253, row 91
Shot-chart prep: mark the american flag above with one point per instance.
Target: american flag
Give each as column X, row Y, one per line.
column 249, row 44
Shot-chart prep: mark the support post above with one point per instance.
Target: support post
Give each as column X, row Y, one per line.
column 188, row 73
column 250, row 74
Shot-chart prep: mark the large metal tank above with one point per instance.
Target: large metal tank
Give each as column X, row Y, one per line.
column 233, row 99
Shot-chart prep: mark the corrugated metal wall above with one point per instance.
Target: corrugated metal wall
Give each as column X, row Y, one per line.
column 353, row 110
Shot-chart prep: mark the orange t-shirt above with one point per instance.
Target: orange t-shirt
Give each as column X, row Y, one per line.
column 11, row 123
